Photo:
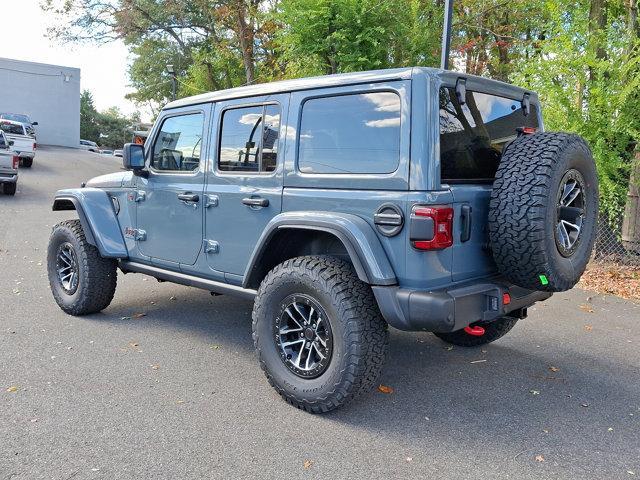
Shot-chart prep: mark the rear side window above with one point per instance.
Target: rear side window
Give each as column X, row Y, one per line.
column 12, row 128
column 3, row 143
column 473, row 135
column 350, row 134
column 178, row 143
column 249, row 139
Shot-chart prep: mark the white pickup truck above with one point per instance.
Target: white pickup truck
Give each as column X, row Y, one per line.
column 23, row 143
column 8, row 166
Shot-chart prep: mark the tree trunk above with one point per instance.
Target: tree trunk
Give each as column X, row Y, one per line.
column 597, row 23
column 246, row 35
column 631, row 219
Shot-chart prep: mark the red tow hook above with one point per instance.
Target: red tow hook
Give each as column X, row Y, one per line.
column 476, row 331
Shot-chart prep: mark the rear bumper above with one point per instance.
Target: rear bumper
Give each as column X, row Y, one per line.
column 8, row 177
column 452, row 308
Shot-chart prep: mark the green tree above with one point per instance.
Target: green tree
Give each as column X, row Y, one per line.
column 332, row 36
column 587, row 73
column 115, row 128
column 89, row 118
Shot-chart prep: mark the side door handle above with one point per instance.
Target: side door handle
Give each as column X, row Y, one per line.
column 189, row 197
column 256, row 202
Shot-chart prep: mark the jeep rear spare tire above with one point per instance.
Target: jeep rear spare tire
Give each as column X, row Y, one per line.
column 543, row 211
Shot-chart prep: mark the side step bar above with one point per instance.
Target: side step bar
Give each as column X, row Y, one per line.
column 189, row 280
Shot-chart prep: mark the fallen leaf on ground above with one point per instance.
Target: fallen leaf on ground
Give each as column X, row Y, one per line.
column 155, row 367
column 534, row 392
column 614, row 279
column 215, row 347
column 138, row 315
column 448, row 348
column 554, row 369
column 588, row 328
column 610, row 429
column 539, row 458
column 586, row 308
column 385, row 389
column 585, row 405
column 172, row 298
column 409, row 459
column 12, row 389
column 631, row 472
column 133, row 344
column 307, row 464
column 125, row 318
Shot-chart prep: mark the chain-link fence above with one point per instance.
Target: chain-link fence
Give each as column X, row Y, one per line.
column 610, row 246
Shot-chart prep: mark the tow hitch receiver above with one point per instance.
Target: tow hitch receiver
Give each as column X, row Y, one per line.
column 476, row 331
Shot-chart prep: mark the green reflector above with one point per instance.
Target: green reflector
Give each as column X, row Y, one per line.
column 543, row 280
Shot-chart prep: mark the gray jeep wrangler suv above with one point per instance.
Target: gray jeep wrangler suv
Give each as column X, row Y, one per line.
column 418, row 198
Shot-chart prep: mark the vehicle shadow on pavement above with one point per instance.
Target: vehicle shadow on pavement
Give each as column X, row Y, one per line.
column 499, row 390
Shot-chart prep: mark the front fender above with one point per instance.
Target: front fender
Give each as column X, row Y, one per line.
column 361, row 242
column 98, row 219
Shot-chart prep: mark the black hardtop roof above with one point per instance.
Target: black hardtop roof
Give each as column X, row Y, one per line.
column 345, row 79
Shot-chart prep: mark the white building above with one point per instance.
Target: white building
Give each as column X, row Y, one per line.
column 49, row 94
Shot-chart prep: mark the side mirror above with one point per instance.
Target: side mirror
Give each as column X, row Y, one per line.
column 11, row 142
column 34, row 123
column 133, row 157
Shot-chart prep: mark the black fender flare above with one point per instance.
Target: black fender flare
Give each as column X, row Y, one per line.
column 358, row 237
column 97, row 217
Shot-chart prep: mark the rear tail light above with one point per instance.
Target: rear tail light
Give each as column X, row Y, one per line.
column 431, row 227
column 16, row 161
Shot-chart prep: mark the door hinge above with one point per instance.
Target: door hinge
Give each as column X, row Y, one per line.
column 137, row 196
column 135, row 233
column 211, row 246
column 211, row 201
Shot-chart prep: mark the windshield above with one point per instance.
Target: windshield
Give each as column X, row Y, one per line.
column 12, row 128
column 16, row 117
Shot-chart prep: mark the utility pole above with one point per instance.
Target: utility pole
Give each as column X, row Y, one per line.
column 446, row 34
column 174, row 80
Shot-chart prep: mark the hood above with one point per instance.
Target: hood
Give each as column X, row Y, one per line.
column 110, row 180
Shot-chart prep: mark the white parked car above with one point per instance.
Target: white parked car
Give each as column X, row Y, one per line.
column 23, row 144
column 89, row 146
column 8, row 166
column 117, row 153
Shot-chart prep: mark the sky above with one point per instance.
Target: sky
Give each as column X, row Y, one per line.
column 103, row 67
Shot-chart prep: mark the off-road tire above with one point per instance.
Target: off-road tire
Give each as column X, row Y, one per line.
column 523, row 211
column 26, row 162
column 9, row 188
column 492, row 332
column 360, row 335
column 97, row 276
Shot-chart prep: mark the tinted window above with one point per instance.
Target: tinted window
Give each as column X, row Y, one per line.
column 12, row 128
column 473, row 135
column 3, row 143
column 249, row 139
column 350, row 134
column 177, row 146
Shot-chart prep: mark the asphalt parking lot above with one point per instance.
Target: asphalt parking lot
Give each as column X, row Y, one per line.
column 164, row 383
